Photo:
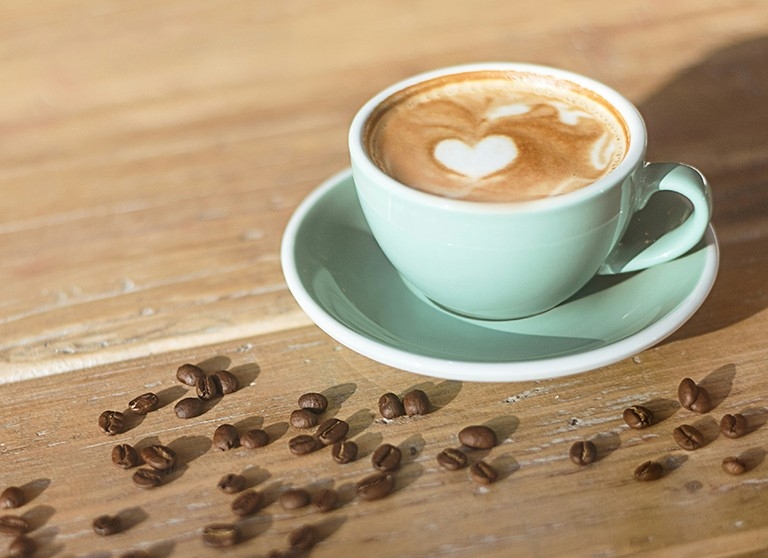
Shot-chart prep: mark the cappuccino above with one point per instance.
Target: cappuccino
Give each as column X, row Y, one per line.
column 496, row 136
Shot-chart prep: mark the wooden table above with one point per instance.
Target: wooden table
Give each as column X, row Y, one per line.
column 151, row 154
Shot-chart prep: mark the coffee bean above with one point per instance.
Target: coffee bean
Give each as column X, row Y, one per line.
column 189, row 407
column 125, row 456
column 693, row 396
column 688, row 437
column 221, row 535
column 315, row 402
column 331, row 431
column 22, row 547
column 638, row 417
column 227, row 381
column 344, row 451
column 390, row 406
column 111, row 422
column 452, row 459
column 161, row 458
column 189, row 374
column 294, row 498
column 416, row 402
column 247, row 503
column 302, row 538
column 483, row 472
column 583, row 453
column 254, row 438
column 106, row 525
column 386, row 457
column 477, row 437
column 232, row 483
column 649, row 471
column 144, row 403
column 303, row 418
column 375, row 486
column 208, row 388
column 226, row 437
column 734, row 426
column 13, row 525
column 326, row 500
column 302, row 444
column 146, row 477
column 12, row 497
column 734, row 466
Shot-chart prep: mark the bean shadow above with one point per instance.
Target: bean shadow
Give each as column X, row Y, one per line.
column 276, row 430
column 38, row 516
column 504, row 465
column 411, row 448
column 709, row 428
column 752, row 457
column 504, row 426
column 719, row 383
column 337, row 395
column 255, row 525
column 440, row 394
column 662, row 408
column 249, row 423
column 367, row 443
column 130, row 517
column 256, row 475
column 605, row 444
column 47, row 545
column 359, row 421
column 162, row 549
column 170, row 394
column 246, row 374
column 671, row 463
column 407, row 474
column 34, row 488
column 189, row 448
column 215, row 363
column 756, row 417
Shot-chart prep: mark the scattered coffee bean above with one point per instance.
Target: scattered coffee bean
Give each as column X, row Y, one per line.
column 688, row 437
column 326, row 500
column 376, row 486
column 344, row 451
column 221, row 535
column 226, row 437
column 14, row 525
column 111, row 422
column 331, row 431
column 254, row 438
column 303, row 418
column 478, row 437
column 315, row 402
column 734, row 466
column 232, row 483
column 146, row 477
column 106, row 525
column 483, row 472
column 390, row 406
column 452, row 459
column 302, row 538
column 247, row 503
column 649, row 471
column 144, row 403
column 734, row 426
column 583, row 453
column 189, row 374
column 638, row 417
column 416, row 402
column 294, row 498
column 302, row 444
column 12, row 497
column 161, row 458
column 189, row 407
column 208, row 388
column 22, row 547
column 227, row 381
column 386, row 457
column 693, row 396
column 125, row 456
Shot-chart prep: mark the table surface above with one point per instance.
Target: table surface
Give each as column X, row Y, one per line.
column 151, row 155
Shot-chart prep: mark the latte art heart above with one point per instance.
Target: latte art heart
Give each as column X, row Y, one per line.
column 488, row 156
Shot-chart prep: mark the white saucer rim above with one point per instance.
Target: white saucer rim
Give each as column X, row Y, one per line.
column 511, row 371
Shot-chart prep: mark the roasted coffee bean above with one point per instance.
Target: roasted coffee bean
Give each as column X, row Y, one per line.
column 477, row 437
column 416, row 402
column 649, row 471
column 693, row 396
column 294, row 498
column 12, row 497
column 302, row 444
column 302, row 538
column 688, row 437
column 144, row 403
column 161, row 458
column 111, row 422
column 331, row 431
column 146, row 477
column 227, row 381
column 221, row 535
column 734, row 466
column 344, row 451
column 638, row 417
column 386, row 457
column 583, row 453
column 303, row 418
column 452, row 459
column 13, row 525
column 208, row 388
column 22, row 547
column 226, row 437
column 734, row 426
column 247, row 503
column 390, row 406
column 189, row 374
column 315, row 402
column 106, row 525
column 326, row 500
column 254, row 438
column 232, row 483
column 483, row 472
column 125, row 456
column 376, row 486
column 189, row 407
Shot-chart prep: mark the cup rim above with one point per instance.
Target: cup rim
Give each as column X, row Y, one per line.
column 635, row 151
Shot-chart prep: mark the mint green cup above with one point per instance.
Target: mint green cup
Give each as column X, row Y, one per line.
column 507, row 260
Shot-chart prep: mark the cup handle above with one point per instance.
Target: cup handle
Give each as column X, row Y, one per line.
column 633, row 252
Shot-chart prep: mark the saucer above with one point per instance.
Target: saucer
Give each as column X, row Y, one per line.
column 341, row 279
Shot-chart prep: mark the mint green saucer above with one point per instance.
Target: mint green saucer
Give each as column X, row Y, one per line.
column 341, row 279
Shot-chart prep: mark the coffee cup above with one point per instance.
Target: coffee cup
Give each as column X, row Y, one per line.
column 499, row 190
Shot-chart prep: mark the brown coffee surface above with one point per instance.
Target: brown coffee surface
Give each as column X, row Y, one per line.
column 496, row 136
